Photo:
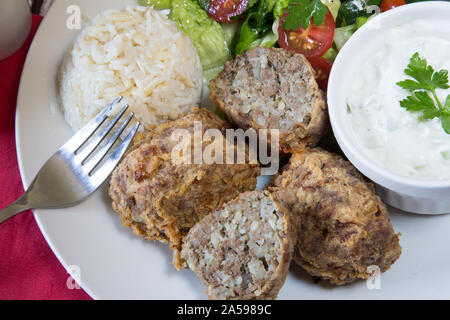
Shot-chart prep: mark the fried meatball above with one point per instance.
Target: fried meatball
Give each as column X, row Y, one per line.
column 269, row 88
column 343, row 226
column 160, row 197
column 243, row 250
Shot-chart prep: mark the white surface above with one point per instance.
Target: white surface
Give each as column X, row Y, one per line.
column 115, row 264
column 348, row 62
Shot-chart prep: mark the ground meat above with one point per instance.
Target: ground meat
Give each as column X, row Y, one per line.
column 343, row 226
column 269, row 88
column 160, row 198
column 243, row 250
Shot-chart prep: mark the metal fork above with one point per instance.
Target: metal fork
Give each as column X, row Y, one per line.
column 73, row 173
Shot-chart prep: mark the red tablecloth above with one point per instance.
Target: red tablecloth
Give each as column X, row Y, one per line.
column 28, row 268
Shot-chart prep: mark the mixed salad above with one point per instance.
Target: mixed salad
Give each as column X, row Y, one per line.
column 222, row 29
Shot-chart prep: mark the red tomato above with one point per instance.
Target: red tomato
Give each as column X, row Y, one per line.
column 322, row 67
column 312, row 42
column 391, row 4
column 224, row 10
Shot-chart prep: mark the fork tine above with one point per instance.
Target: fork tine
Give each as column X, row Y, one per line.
column 86, row 132
column 82, row 156
column 98, row 157
column 109, row 165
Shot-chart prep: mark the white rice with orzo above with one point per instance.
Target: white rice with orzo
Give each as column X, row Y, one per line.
column 137, row 53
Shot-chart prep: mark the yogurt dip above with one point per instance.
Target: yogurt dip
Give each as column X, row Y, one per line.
column 397, row 139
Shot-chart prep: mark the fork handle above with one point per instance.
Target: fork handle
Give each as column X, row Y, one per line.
column 13, row 209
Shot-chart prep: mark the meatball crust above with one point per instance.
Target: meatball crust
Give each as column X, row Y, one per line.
column 270, row 88
column 242, row 250
column 343, row 226
column 161, row 198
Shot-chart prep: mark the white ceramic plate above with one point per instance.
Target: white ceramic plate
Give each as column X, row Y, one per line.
column 115, row 264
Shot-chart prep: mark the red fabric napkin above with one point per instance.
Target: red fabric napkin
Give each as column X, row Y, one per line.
column 28, row 268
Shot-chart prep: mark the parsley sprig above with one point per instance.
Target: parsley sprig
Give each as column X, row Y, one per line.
column 426, row 81
column 300, row 12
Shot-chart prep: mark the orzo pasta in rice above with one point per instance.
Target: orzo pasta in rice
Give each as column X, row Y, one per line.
column 136, row 53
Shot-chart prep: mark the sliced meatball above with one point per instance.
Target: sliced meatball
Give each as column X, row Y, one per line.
column 269, row 88
column 343, row 226
column 243, row 250
column 161, row 198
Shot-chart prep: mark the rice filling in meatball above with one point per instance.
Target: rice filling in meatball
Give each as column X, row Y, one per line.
column 269, row 88
column 243, row 250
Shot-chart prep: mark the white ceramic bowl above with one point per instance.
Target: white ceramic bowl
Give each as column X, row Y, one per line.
column 408, row 194
column 15, row 25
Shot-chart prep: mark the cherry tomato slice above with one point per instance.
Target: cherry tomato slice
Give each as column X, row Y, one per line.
column 224, row 10
column 322, row 67
column 391, row 4
column 312, row 42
